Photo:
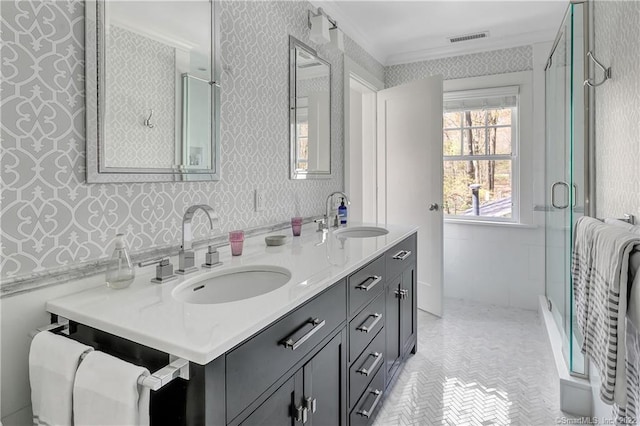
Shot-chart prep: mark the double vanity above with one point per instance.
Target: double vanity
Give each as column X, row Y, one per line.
column 310, row 332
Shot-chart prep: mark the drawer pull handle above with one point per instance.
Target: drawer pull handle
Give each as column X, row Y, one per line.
column 367, row 413
column 368, row 328
column 367, row 370
column 372, row 281
column 293, row 344
column 402, row 255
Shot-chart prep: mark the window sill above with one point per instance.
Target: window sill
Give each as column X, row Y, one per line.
column 490, row 223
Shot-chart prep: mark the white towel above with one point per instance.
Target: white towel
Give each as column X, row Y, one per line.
column 53, row 361
column 600, row 275
column 106, row 392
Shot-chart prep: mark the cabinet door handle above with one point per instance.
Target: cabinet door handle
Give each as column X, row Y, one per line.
column 367, row 413
column 402, row 293
column 293, row 344
column 402, row 254
column 310, row 404
column 300, row 414
column 367, row 370
column 367, row 328
column 370, row 283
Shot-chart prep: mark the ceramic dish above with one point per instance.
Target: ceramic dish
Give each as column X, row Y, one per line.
column 275, row 240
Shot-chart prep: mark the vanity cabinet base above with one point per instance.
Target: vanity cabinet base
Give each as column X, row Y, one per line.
column 328, row 362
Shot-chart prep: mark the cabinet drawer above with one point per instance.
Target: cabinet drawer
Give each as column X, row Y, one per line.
column 370, row 402
column 400, row 256
column 363, row 369
column 256, row 364
column 364, row 327
column 365, row 284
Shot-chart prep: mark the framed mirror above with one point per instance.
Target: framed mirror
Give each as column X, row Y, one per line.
column 153, row 97
column 309, row 113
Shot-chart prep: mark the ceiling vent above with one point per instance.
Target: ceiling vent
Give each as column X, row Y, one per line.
column 468, row 37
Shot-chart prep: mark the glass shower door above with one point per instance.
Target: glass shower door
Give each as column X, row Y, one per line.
column 564, row 175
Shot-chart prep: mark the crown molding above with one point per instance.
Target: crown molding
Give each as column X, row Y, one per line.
column 333, row 8
column 470, row 47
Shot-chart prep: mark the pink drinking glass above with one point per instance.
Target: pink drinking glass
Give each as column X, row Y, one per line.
column 236, row 239
column 296, row 226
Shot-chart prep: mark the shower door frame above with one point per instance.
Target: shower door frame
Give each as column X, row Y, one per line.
column 588, row 161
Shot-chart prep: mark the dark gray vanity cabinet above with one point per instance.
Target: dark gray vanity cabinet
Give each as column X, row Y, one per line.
column 400, row 304
column 327, row 362
column 311, row 396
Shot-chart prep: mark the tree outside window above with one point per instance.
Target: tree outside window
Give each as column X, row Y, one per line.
column 479, row 156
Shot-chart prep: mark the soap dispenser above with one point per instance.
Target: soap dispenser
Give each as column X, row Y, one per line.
column 342, row 212
column 120, row 272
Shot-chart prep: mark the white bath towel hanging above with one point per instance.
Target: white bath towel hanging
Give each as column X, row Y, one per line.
column 106, row 392
column 600, row 274
column 53, row 361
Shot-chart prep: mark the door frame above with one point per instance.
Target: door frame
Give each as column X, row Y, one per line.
column 352, row 70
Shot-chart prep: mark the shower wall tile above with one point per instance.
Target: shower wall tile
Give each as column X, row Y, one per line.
column 52, row 218
column 617, row 40
column 473, row 65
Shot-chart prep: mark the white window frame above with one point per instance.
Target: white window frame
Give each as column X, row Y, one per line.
column 522, row 175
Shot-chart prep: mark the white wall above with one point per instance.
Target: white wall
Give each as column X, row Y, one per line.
column 617, row 40
column 497, row 264
column 504, row 264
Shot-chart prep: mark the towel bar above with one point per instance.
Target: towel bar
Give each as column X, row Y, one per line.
column 629, row 218
column 178, row 367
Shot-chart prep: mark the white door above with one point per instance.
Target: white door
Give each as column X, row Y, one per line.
column 410, row 170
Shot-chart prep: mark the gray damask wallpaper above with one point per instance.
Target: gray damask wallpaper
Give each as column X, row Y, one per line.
column 617, row 39
column 51, row 218
column 142, row 77
column 473, row 65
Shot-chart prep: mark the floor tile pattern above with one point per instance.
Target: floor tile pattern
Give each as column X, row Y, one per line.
column 479, row 365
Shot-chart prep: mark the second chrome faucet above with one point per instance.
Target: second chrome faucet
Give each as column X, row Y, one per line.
column 324, row 224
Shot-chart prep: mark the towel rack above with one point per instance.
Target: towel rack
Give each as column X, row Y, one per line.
column 178, row 367
column 629, row 218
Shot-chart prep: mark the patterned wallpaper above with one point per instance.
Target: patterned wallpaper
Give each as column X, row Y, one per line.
column 142, row 77
column 50, row 217
column 473, row 65
column 617, row 40
column 354, row 51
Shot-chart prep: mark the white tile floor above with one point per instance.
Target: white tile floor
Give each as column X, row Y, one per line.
column 479, row 365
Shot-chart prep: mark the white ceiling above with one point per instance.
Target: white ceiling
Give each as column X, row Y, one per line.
column 397, row 32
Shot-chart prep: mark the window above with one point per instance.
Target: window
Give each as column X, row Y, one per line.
column 480, row 154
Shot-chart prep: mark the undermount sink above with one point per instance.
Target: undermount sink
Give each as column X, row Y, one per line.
column 232, row 284
column 360, row 232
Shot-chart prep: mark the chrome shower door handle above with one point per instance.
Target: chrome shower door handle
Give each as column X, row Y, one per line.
column 553, row 195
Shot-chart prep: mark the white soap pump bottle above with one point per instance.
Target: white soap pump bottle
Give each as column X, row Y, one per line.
column 120, row 272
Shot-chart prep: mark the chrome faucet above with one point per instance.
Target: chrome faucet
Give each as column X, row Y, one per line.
column 324, row 224
column 186, row 259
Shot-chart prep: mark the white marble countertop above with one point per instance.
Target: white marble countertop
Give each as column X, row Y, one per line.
column 148, row 314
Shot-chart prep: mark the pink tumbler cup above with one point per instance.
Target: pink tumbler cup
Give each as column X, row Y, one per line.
column 236, row 239
column 296, row 226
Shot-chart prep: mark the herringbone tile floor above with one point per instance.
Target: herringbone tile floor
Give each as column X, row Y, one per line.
column 479, row 365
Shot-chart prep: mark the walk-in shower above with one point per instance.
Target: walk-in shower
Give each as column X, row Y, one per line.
column 568, row 165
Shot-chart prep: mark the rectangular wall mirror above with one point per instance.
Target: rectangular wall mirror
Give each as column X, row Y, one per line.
column 309, row 112
column 153, row 98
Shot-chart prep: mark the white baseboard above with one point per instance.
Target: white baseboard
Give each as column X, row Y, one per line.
column 429, row 300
